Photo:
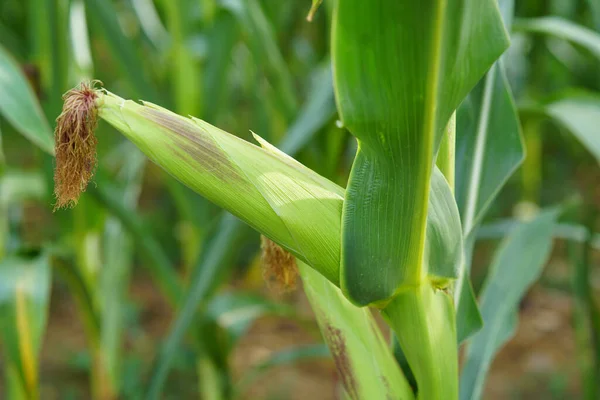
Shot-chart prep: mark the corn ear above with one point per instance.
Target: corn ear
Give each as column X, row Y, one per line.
column 287, row 202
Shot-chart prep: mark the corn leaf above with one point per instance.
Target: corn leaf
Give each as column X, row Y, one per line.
column 217, row 256
column 117, row 263
column 595, row 10
column 152, row 252
column 573, row 232
column 50, row 46
column 363, row 359
column 579, row 113
column 237, row 311
column 293, row 355
column 18, row 104
column 314, row 114
column 263, row 44
column 150, row 22
column 443, row 244
column 563, row 29
column 185, row 70
column 103, row 18
column 80, row 41
column 489, row 149
column 489, row 146
column 516, row 266
column 2, row 156
column 397, row 99
column 221, row 39
column 24, row 298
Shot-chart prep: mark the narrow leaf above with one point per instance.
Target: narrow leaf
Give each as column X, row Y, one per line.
column 314, row 114
column 516, row 266
column 218, row 255
column 563, row 29
column 293, row 355
column 18, row 104
column 579, row 113
column 126, row 55
column 364, row 360
column 24, row 299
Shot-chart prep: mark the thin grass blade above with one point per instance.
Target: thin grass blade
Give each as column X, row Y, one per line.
column 24, row 299
column 365, row 363
column 516, row 266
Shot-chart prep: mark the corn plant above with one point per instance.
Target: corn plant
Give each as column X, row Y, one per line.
column 392, row 239
column 422, row 90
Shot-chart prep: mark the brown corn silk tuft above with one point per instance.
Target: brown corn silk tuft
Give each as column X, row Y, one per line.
column 279, row 267
column 75, row 144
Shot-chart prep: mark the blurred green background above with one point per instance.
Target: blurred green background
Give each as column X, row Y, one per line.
column 146, row 288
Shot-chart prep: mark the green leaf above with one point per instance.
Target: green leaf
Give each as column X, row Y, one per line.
column 78, row 30
column 18, row 104
column 263, row 44
column 126, row 55
column 517, row 264
column 217, row 255
column 24, row 299
column 19, row 186
column 579, row 113
column 150, row 23
column 313, row 9
column 2, row 156
column 314, row 114
column 565, row 231
column 397, row 99
column 489, row 146
column 221, row 38
column 563, row 29
column 117, row 263
column 595, row 10
column 152, row 252
column 293, row 355
column 364, row 360
column 444, row 245
column 489, row 149
column 235, row 312
column 184, row 68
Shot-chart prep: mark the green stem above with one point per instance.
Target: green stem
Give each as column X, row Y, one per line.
column 532, row 166
column 423, row 320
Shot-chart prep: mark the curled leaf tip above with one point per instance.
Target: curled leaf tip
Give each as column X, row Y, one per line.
column 75, row 143
column 279, row 267
column 313, row 9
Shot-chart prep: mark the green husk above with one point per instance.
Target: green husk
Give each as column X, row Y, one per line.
column 287, row 202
